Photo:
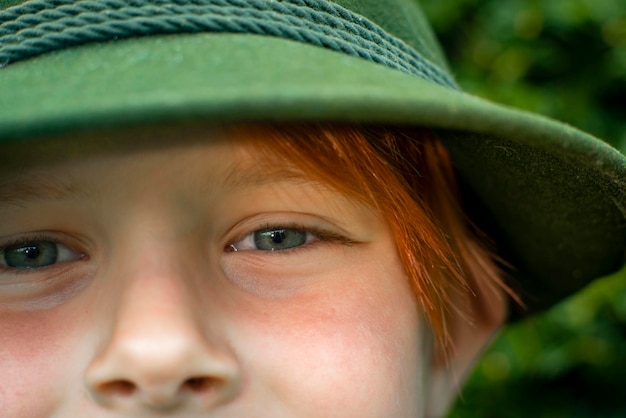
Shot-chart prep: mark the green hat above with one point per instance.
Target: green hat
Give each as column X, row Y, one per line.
column 553, row 198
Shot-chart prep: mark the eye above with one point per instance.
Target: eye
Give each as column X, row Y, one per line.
column 36, row 254
column 272, row 239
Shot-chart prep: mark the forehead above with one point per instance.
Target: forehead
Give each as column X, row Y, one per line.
column 43, row 151
column 70, row 166
column 39, row 167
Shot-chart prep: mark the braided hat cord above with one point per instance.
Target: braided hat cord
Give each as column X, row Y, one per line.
column 37, row 27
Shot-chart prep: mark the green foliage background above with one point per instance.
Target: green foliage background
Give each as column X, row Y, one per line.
column 565, row 59
column 562, row 58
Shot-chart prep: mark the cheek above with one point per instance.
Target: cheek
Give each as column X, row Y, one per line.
column 350, row 349
column 38, row 361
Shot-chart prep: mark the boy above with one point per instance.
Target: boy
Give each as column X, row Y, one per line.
column 233, row 208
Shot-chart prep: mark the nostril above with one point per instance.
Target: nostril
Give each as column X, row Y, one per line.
column 123, row 388
column 200, row 384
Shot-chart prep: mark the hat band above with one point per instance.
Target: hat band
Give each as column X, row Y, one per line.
column 37, row 27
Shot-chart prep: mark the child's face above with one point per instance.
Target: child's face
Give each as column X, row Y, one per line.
column 151, row 290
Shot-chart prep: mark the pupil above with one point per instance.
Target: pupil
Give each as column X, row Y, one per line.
column 31, row 252
column 278, row 236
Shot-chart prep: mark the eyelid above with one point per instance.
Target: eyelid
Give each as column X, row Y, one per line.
column 28, row 289
column 323, row 235
column 309, row 238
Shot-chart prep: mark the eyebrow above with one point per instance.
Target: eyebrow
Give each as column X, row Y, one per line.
column 241, row 176
column 27, row 187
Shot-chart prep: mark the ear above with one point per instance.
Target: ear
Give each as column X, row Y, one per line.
column 469, row 332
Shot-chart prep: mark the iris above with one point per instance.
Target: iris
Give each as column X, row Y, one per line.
column 279, row 239
column 27, row 255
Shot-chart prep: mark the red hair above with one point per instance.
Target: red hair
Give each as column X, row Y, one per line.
column 407, row 177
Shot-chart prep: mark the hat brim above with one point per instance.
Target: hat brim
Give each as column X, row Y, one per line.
column 553, row 197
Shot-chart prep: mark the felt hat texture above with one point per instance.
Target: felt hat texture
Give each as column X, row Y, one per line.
column 552, row 197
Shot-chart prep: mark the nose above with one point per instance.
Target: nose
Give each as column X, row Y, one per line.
column 159, row 355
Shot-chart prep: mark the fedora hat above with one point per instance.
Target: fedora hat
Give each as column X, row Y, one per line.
column 552, row 197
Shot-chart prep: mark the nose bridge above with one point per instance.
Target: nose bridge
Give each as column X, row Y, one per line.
column 156, row 296
column 159, row 274
column 158, row 352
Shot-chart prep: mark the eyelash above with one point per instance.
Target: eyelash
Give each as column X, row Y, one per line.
column 321, row 236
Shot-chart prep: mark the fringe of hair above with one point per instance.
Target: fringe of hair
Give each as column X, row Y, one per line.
column 407, row 176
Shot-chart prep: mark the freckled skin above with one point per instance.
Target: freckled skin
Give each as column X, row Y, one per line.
column 329, row 329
